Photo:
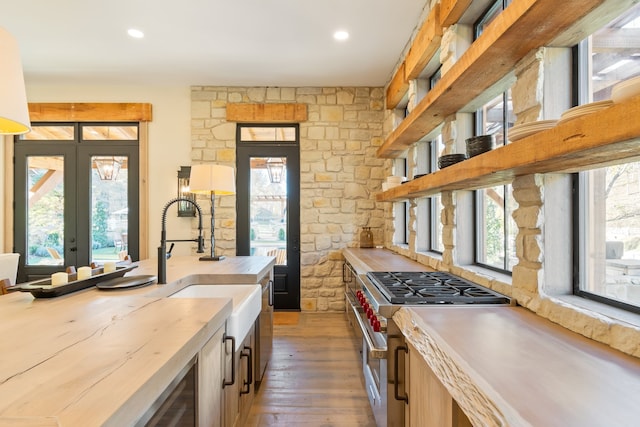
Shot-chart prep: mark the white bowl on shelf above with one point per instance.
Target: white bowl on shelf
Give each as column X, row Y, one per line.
column 626, row 89
column 395, row 180
column 585, row 109
column 526, row 129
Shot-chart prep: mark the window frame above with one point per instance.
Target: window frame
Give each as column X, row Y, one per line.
column 581, row 213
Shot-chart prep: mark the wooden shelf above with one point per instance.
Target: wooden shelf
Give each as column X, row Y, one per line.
column 523, row 26
column 606, row 137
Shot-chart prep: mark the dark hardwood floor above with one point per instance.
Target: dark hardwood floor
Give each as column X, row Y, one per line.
column 314, row 377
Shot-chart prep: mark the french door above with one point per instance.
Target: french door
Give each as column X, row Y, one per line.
column 268, row 202
column 76, row 196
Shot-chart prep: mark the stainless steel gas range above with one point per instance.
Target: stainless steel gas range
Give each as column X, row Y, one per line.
column 372, row 300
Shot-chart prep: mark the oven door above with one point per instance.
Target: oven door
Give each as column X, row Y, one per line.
column 353, row 284
column 374, row 362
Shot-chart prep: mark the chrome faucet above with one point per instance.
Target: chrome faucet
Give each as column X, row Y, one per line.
column 163, row 255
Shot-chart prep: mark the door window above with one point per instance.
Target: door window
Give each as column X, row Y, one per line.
column 45, row 210
column 268, row 207
column 76, row 196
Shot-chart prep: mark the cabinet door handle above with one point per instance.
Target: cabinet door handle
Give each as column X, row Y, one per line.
column 249, row 370
column 396, row 371
column 233, row 361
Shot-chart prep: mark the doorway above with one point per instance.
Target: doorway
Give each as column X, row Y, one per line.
column 76, row 196
column 268, row 198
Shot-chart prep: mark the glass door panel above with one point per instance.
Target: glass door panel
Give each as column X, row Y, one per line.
column 268, row 207
column 109, row 208
column 45, row 210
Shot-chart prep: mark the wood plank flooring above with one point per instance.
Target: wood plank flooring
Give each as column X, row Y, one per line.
column 314, row 377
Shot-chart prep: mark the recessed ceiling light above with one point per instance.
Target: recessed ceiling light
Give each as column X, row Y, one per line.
column 136, row 34
column 341, row 35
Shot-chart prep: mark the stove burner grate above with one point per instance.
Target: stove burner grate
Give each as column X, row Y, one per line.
column 432, row 288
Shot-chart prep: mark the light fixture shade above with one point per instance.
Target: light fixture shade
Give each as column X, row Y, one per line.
column 185, row 209
column 275, row 168
column 210, row 178
column 14, row 111
column 108, row 167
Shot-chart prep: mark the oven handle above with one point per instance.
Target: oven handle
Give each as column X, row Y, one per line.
column 396, row 371
column 374, row 352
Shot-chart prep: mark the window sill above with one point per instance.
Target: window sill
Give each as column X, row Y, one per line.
column 488, row 273
column 598, row 309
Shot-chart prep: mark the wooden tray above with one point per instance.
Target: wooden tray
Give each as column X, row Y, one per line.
column 43, row 289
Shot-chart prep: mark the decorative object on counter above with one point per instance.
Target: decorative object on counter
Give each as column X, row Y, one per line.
column 53, row 287
column 85, row 272
column 527, row 129
column 163, row 254
column 185, row 209
column 366, row 238
column 480, row 144
column 14, row 112
column 109, row 266
column 450, row 159
column 59, row 278
column 212, row 179
column 126, row 282
column 625, row 89
column 585, row 109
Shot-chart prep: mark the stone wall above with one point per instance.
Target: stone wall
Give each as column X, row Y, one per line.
column 339, row 174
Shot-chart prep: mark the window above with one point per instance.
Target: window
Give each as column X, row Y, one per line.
column 436, row 147
column 76, row 195
column 401, row 209
column 607, row 214
column 495, row 228
column 489, row 15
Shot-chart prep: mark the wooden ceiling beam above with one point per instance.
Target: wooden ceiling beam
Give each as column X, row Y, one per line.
column 266, row 113
column 88, row 112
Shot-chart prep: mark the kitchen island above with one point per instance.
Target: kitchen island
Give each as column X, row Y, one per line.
column 103, row 357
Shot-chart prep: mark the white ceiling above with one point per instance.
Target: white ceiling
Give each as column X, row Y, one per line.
column 211, row 42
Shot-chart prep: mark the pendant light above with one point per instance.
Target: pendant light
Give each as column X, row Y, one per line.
column 14, row 110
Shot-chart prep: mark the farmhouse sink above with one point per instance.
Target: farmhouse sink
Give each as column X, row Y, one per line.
column 246, row 301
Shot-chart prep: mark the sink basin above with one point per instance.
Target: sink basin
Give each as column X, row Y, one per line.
column 246, row 301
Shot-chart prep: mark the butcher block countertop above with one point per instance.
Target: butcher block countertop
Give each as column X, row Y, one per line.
column 102, row 357
column 373, row 259
column 506, row 366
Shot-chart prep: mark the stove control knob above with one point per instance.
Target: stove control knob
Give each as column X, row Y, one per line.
column 365, row 306
column 369, row 313
column 376, row 325
column 373, row 319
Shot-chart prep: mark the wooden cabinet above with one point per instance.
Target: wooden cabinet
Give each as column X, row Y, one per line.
column 430, row 404
column 210, row 376
column 238, row 396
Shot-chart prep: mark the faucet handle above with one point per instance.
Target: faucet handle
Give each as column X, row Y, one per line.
column 170, row 249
